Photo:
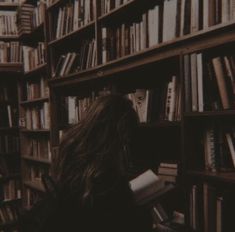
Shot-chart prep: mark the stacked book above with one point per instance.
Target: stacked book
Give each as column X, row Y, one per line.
column 25, row 19
column 168, row 172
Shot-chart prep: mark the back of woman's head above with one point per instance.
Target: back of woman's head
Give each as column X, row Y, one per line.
column 94, row 152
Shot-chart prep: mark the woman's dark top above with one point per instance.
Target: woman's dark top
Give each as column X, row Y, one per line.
column 114, row 211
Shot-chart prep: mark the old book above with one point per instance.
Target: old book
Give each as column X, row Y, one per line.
column 146, row 186
column 220, row 77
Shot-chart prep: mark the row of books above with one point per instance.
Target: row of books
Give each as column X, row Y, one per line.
column 38, row 16
column 7, row 22
column 77, row 108
column 215, row 215
column 36, row 117
column 132, row 37
column 72, row 16
column 209, row 83
column 158, row 104
column 36, row 89
column 8, row 213
column 9, row 143
column 34, row 57
column 73, row 62
column 10, row 52
column 11, row 190
column 219, row 149
column 178, row 17
column 108, row 5
column 38, row 148
column 24, row 19
column 8, row 116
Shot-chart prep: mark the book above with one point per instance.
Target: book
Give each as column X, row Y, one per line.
column 146, row 186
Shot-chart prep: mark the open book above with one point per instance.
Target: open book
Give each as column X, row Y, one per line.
column 148, row 186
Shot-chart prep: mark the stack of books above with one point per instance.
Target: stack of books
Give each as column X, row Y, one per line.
column 168, row 172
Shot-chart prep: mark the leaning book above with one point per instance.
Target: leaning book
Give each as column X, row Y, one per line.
column 148, row 187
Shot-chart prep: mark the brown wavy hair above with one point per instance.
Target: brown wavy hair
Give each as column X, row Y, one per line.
column 93, row 154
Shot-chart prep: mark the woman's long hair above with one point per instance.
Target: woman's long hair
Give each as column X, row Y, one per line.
column 93, row 154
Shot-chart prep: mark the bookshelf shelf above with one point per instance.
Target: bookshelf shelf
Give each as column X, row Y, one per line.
column 33, row 73
column 34, row 185
column 224, row 177
column 72, row 35
column 34, row 101
column 35, row 131
column 35, row 159
column 7, row 6
column 162, row 124
column 11, row 67
column 210, row 114
column 7, row 38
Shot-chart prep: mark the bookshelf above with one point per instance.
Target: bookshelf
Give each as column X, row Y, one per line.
column 74, row 84
column 183, row 45
column 34, row 101
column 10, row 71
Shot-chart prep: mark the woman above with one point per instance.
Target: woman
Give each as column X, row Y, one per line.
column 91, row 172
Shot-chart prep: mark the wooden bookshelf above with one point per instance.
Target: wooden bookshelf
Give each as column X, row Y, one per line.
column 151, row 67
column 34, row 105
column 10, row 188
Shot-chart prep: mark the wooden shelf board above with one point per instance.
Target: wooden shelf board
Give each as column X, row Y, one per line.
column 35, row 159
column 71, row 34
column 8, row 5
column 34, row 131
column 227, row 177
column 211, row 113
column 8, row 37
column 34, row 185
column 36, row 100
column 9, row 128
column 39, row 69
column 214, row 36
column 161, row 124
column 11, row 67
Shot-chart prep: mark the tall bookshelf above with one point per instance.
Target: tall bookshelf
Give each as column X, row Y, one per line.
column 34, row 101
column 10, row 71
column 184, row 46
